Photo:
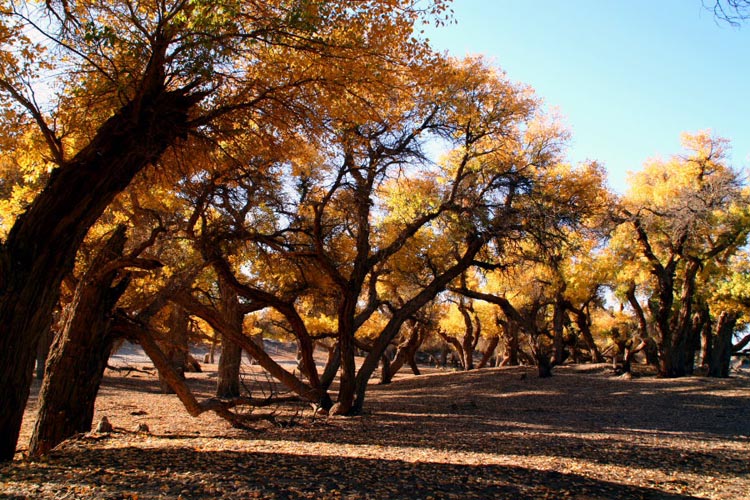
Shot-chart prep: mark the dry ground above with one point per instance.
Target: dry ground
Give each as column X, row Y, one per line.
column 498, row 433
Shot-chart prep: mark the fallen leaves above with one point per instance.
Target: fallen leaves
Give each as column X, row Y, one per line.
column 577, row 435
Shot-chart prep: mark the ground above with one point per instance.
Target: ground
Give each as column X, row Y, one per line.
column 495, row 433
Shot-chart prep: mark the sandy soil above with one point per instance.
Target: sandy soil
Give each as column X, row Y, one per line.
column 496, row 433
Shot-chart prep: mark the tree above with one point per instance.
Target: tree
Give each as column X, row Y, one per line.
column 681, row 216
column 140, row 78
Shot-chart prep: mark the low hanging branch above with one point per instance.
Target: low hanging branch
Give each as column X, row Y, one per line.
column 223, row 408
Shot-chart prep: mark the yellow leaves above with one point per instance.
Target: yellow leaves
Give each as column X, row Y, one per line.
column 23, row 172
column 406, row 198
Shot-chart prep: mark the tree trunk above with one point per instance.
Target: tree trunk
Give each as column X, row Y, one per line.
column 544, row 365
column 347, row 381
column 584, row 324
column 42, row 353
column 405, row 353
column 79, row 354
column 228, row 383
column 721, row 356
column 466, row 350
column 558, row 326
column 41, row 247
column 512, row 344
column 386, row 376
column 176, row 345
column 706, row 346
column 489, row 351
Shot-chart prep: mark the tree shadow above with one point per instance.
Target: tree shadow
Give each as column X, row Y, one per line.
column 159, row 473
column 644, row 424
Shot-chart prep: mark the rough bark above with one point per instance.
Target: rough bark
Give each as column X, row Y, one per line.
column 41, row 246
column 678, row 355
column 176, row 345
column 228, row 383
column 721, row 355
column 79, row 354
column 42, row 353
column 347, row 381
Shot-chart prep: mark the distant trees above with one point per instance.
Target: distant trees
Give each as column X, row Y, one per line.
column 683, row 219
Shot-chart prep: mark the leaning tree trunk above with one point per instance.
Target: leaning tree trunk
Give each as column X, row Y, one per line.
column 42, row 352
column 79, row 354
column 404, row 354
column 721, row 354
column 41, row 247
column 489, row 351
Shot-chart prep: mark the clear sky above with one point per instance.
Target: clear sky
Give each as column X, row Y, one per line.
column 628, row 76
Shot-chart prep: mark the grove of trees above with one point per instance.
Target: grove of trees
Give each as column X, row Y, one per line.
column 185, row 170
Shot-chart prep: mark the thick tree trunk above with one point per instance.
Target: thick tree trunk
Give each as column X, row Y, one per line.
column 41, row 246
column 386, row 376
column 721, row 356
column 228, row 384
column 680, row 353
column 347, row 382
column 176, row 344
column 79, row 354
column 42, row 353
column 544, row 365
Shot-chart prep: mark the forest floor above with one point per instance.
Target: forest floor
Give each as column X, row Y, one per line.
column 493, row 433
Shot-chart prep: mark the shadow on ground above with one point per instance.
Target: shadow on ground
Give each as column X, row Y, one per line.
column 139, row 473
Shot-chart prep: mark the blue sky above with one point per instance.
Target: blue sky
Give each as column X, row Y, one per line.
column 628, row 76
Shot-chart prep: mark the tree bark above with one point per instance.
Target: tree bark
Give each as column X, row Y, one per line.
column 558, row 326
column 79, row 354
column 680, row 353
column 228, row 383
column 41, row 247
column 512, row 343
column 489, row 351
column 176, row 345
column 404, row 354
column 42, row 353
column 721, row 355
